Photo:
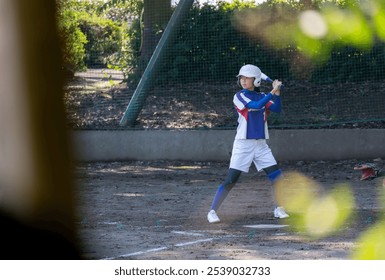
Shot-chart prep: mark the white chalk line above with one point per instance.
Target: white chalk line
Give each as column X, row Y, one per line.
column 159, row 249
column 211, row 232
column 109, row 223
column 187, row 233
column 193, row 242
column 137, row 253
column 266, row 226
column 260, row 226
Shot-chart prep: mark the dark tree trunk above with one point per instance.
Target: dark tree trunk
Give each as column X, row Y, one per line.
column 156, row 14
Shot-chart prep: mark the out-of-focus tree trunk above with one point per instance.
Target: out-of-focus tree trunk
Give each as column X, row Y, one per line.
column 36, row 202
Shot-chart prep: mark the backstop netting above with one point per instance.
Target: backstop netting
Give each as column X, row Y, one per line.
column 330, row 56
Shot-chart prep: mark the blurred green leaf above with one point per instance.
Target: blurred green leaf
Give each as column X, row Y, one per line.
column 371, row 244
column 348, row 26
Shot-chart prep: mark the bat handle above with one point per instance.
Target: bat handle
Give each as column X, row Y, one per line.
column 270, row 80
column 266, row 78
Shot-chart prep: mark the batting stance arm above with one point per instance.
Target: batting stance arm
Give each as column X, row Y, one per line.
column 260, row 103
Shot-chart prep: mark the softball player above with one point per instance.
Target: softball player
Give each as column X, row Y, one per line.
column 250, row 145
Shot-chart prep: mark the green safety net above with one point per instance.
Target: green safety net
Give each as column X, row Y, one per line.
column 329, row 55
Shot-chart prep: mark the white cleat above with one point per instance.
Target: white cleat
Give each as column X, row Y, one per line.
column 279, row 212
column 212, row 217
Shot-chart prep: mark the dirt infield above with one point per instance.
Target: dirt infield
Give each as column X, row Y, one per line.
column 157, row 210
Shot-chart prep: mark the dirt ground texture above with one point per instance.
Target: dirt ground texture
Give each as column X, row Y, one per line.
column 157, row 211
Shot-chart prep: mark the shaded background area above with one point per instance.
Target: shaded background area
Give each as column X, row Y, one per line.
column 209, row 106
column 333, row 74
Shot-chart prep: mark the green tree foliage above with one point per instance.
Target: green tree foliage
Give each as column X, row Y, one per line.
column 215, row 39
column 128, row 14
column 104, row 39
column 211, row 47
column 97, row 35
column 74, row 38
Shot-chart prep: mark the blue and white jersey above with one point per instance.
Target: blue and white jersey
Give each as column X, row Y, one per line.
column 252, row 123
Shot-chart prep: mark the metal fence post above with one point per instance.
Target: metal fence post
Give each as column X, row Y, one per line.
column 139, row 97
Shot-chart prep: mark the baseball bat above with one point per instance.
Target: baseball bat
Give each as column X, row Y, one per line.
column 266, row 78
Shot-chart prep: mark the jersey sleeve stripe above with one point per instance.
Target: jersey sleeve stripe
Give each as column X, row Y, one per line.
column 240, row 100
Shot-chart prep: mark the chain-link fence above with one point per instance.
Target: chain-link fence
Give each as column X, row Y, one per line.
column 330, row 59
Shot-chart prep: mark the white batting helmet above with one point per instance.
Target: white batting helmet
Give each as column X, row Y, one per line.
column 251, row 71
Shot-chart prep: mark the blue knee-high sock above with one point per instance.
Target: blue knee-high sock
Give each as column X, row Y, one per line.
column 225, row 188
column 274, row 177
column 219, row 197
